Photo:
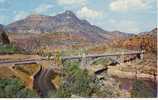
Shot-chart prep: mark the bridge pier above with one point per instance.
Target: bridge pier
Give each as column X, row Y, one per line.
column 122, row 58
column 85, row 62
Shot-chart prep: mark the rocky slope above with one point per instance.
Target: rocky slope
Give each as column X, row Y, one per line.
column 144, row 40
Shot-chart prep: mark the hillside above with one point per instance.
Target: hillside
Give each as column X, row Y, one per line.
column 144, row 40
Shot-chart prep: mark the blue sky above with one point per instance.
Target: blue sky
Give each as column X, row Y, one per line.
column 132, row 16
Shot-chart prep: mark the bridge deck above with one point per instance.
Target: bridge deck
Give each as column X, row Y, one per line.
column 72, row 57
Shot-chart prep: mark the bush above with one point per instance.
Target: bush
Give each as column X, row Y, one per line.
column 62, row 92
column 13, row 88
column 7, row 48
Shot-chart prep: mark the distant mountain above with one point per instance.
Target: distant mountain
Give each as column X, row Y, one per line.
column 152, row 32
column 66, row 22
column 119, row 35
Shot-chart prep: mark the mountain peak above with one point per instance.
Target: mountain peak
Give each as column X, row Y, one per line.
column 67, row 17
column 69, row 12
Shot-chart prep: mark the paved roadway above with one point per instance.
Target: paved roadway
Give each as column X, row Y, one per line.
column 20, row 61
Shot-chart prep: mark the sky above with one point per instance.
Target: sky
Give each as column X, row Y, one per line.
column 132, row 16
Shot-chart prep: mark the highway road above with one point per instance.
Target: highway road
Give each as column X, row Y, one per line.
column 20, row 61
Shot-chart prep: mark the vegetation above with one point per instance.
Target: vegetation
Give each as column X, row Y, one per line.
column 3, row 37
column 78, row 82
column 13, row 88
column 141, row 90
column 8, row 48
column 58, row 59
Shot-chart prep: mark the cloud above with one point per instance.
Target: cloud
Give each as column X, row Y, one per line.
column 70, row 2
column 125, row 25
column 125, row 5
column 86, row 12
column 20, row 15
column 42, row 8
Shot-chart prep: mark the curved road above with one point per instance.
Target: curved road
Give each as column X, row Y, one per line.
column 42, row 82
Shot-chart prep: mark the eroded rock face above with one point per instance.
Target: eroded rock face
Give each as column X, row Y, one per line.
column 3, row 36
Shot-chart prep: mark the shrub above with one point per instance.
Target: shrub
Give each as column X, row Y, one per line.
column 13, row 88
column 7, row 48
